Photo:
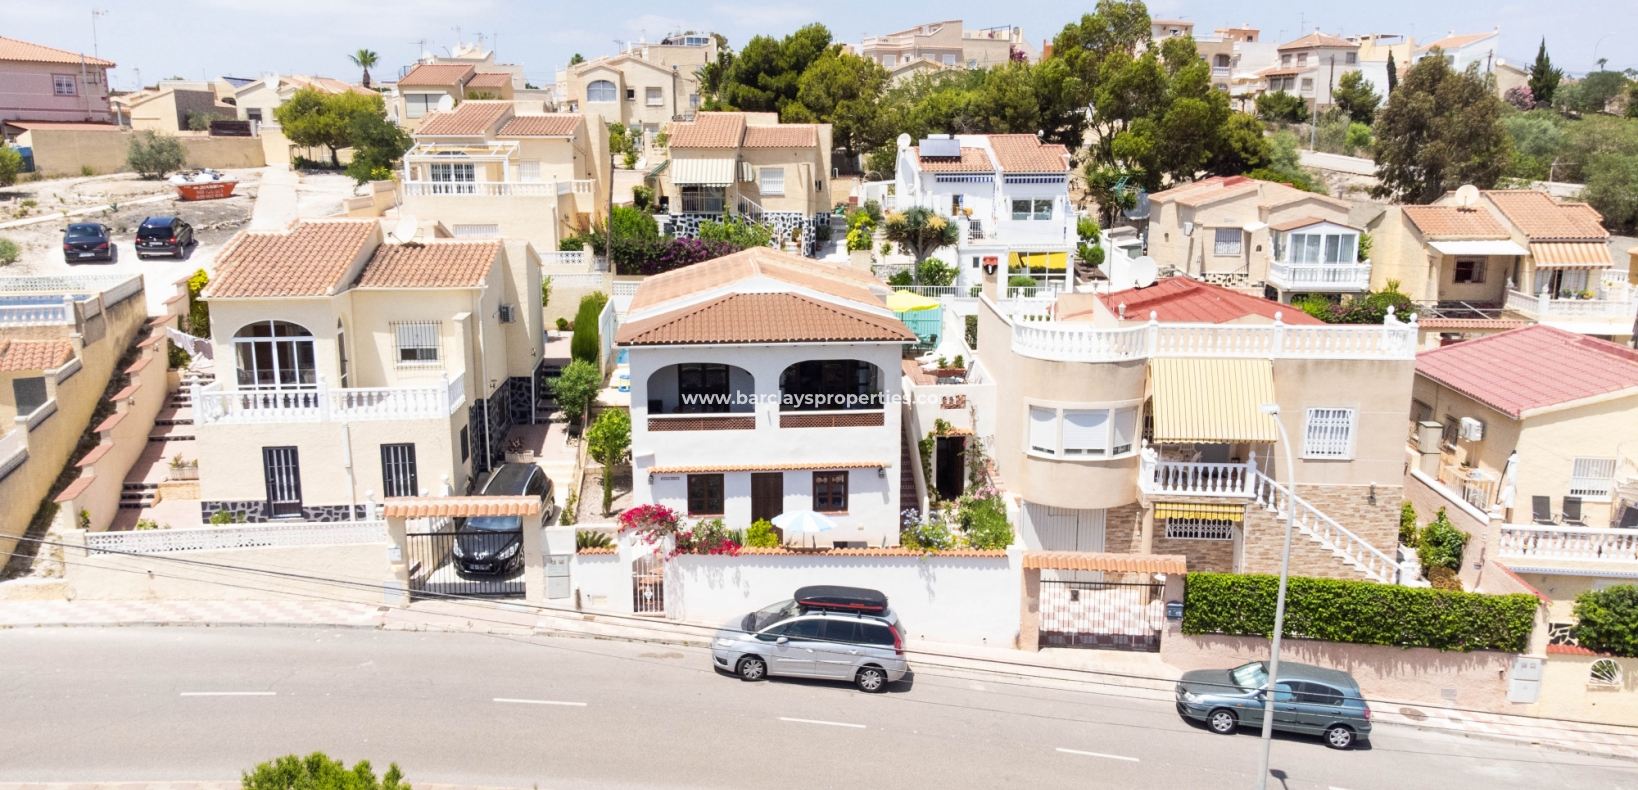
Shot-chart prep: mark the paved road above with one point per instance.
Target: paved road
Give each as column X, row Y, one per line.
column 154, row 704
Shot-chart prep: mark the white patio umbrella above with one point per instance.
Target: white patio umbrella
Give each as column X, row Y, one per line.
column 805, row 521
column 1510, row 480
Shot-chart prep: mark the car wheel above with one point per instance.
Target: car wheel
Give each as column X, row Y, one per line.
column 752, row 669
column 1222, row 722
column 1339, row 737
column 871, row 680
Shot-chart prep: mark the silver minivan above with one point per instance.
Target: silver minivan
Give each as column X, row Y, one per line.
column 821, row 637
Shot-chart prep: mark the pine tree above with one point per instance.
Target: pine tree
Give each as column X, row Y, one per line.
column 1543, row 77
column 1393, row 74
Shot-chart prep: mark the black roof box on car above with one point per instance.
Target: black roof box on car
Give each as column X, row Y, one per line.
column 847, row 599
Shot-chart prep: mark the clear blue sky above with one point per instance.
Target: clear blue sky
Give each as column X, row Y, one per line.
column 247, row 38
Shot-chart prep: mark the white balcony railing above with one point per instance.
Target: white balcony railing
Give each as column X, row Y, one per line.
column 482, row 188
column 214, row 405
column 579, row 280
column 625, row 287
column 13, row 450
column 237, row 536
column 36, row 315
column 563, row 258
column 582, row 186
column 1178, row 478
column 1569, row 543
column 940, row 292
column 1545, row 307
column 1221, row 71
column 1320, row 276
column 1084, row 342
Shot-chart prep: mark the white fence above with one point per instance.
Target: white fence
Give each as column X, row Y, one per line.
column 72, row 284
column 1569, row 543
column 36, row 315
column 237, row 536
column 212, row 404
column 626, row 287
column 1544, row 307
column 595, row 280
column 1178, row 478
column 563, row 258
column 1320, row 276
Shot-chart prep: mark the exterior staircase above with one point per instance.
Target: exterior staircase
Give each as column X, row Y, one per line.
column 136, row 496
column 907, row 477
column 174, row 423
column 1347, row 547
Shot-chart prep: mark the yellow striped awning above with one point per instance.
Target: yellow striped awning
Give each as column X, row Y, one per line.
column 1212, row 400
column 1038, row 260
column 1571, row 254
column 1234, row 513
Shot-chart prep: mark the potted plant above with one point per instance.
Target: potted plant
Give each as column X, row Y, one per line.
column 183, row 469
column 516, row 453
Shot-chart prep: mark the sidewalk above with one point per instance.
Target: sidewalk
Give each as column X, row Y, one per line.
column 1132, row 675
column 233, row 785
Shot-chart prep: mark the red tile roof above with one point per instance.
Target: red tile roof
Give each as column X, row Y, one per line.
column 973, row 160
column 18, row 355
column 490, row 79
column 1114, row 563
column 785, row 135
column 1535, row 368
column 440, row 263
column 470, row 119
column 13, row 49
column 1185, row 300
column 1542, row 217
column 763, row 318
column 439, row 75
column 554, row 125
column 1455, row 221
column 1025, row 153
column 309, row 258
column 1318, row 39
column 709, row 130
column 75, row 125
column 699, row 469
column 839, row 281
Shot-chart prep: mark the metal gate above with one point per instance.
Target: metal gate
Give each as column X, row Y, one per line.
column 281, row 469
column 488, row 563
column 648, row 585
column 1104, row 615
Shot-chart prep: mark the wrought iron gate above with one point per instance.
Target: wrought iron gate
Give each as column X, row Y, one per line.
column 648, row 585
column 1105, row 615
column 462, row 562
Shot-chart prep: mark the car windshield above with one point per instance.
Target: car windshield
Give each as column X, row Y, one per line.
column 762, row 618
column 82, row 229
column 1250, row 676
column 495, row 523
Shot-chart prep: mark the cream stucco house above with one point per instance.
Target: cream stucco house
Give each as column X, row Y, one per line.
column 352, row 367
column 643, row 89
column 764, row 383
column 485, row 170
column 257, row 100
column 949, row 44
column 1309, row 68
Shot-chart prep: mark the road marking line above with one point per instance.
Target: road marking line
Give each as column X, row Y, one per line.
column 827, row 723
column 229, row 693
column 541, row 702
column 1099, row 754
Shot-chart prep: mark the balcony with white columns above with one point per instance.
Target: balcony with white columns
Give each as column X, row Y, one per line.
column 1548, row 548
column 1320, row 277
column 213, row 405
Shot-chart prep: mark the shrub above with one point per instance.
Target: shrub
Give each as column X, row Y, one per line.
column 642, row 198
column 1281, row 107
column 959, row 362
column 571, row 505
column 708, row 537
column 930, row 536
column 1440, row 544
column 576, row 387
column 1409, row 533
column 11, row 163
column 584, row 539
column 198, row 309
column 738, row 231
column 761, row 535
column 901, row 278
column 152, row 154
column 971, row 322
column 631, row 223
column 318, row 772
column 1358, row 612
column 1359, row 136
column 609, row 442
column 985, row 522
column 1443, row 578
column 223, row 517
column 1607, row 620
column 562, row 324
column 586, row 344
column 9, row 252
column 87, row 170
column 936, row 272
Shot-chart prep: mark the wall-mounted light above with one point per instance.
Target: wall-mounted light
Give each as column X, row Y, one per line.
column 881, row 471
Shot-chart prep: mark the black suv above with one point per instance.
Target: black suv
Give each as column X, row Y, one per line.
column 163, row 235
column 493, row 545
column 87, row 241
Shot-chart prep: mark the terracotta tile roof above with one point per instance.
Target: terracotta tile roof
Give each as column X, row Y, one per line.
column 1499, row 324
column 1541, row 217
column 1534, row 368
column 1293, row 224
column 12, row 49
column 1574, row 650
column 785, row 135
column 698, row 469
column 17, row 355
column 84, row 125
column 840, row 281
column 1318, row 39
column 762, row 318
column 598, row 550
column 309, row 258
column 554, row 125
column 489, row 79
column 973, row 160
column 436, row 75
column 470, row 119
column 1025, row 153
column 1455, row 222
column 888, row 551
column 440, row 263
column 328, row 85
column 709, row 130
column 1186, row 300
column 75, row 488
column 1196, row 192
column 1094, row 561
column 1454, row 41
column 416, row 507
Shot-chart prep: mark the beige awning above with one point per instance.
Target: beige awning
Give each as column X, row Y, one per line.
column 1479, row 247
column 1571, row 254
column 1234, row 513
column 702, row 172
column 1212, row 400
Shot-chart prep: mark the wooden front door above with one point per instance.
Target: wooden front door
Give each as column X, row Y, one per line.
column 767, row 495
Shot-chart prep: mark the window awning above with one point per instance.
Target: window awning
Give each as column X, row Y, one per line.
column 1234, row 513
column 1480, row 247
column 1038, row 260
column 702, row 172
column 1212, row 400
column 1571, row 254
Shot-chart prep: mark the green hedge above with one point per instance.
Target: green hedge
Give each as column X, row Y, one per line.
column 1363, row 613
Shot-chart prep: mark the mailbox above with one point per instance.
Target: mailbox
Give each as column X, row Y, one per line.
column 1174, row 610
column 557, row 576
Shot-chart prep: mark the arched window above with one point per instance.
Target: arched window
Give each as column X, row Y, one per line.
column 830, row 385
column 274, row 355
column 601, row 90
column 700, row 388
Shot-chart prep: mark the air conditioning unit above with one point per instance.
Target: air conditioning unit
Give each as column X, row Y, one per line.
column 1472, row 430
column 1188, row 228
column 508, row 314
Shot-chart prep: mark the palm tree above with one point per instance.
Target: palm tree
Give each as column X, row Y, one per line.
column 364, row 59
column 922, row 231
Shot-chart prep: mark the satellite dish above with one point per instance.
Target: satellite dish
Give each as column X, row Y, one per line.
column 1126, row 273
column 272, row 80
column 1144, row 270
column 406, row 230
column 446, row 103
column 904, row 141
column 1467, row 195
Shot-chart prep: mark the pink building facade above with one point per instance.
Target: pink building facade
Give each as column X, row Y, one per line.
column 39, row 83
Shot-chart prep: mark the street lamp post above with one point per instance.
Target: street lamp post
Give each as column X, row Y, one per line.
column 1269, row 693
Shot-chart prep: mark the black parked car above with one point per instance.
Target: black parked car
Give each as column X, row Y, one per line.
column 87, row 241
column 163, row 235
column 493, row 545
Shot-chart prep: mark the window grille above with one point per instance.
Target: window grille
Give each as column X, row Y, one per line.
column 398, row 476
column 1329, row 433
column 417, row 342
column 1592, row 478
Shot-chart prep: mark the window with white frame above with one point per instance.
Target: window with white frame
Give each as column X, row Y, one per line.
column 1086, row 432
column 63, row 85
column 602, row 90
column 529, row 171
column 453, row 178
column 417, row 342
column 654, row 97
column 1032, row 209
column 1329, row 434
column 1307, row 84
column 1083, row 433
column 949, row 60
column 1321, row 248
column 771, row 180
column 1227, row 242
column 419, row 104
column 1043, row 430
column 1592, row 478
